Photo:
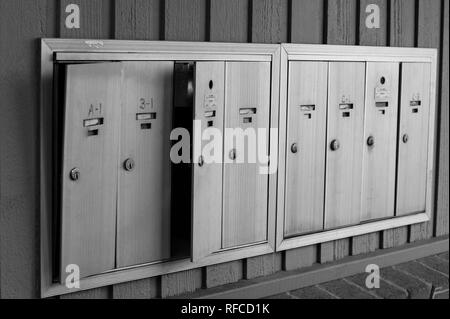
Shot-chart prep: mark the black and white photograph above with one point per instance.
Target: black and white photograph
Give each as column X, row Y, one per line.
column 223, row 158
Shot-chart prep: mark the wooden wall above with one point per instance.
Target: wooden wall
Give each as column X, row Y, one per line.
column 407, row 23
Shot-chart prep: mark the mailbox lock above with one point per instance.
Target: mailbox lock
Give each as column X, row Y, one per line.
column 75, row 174
column 294, row 148
column 405, row 138
column 335, row 145
column 232, row 154
column 371, row 141
column 201, row 161
column 129, row 164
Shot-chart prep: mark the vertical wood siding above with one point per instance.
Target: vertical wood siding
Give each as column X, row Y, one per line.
column 405, row 23
column 442, row 207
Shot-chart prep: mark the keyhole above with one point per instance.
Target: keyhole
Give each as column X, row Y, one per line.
column 211, row 85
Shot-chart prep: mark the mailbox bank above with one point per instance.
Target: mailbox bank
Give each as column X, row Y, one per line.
column 355, row 148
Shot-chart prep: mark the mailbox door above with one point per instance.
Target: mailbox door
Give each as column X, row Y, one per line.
column 91, row 144
column 208, row 168
column 345, row 143
column 380, row 141
column 305, row 167
column 413, row 138
column 143, row 225
column 247, row 106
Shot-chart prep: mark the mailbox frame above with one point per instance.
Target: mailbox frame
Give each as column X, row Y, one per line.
column 54, row 51
column 337, row 53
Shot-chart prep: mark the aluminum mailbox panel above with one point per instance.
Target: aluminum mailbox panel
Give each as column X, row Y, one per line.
column 380, row 141
column 208, row 169
column 89, row 173
column 413, row 138
column 247, row 106
column 344, row 144
column 143, row 225
column 305, row 166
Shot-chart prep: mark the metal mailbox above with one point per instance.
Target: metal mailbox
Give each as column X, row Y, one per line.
column 247, row 106
column 413, row 138
column 380, row 141
column 344, row 144
column 305, row 158
column 89, row 167
column 144, row 189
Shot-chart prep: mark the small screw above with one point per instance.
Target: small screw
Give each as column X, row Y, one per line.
column 371, row 141
column 294, row 148
column 74, row 174
column 232, row 154
column 335, row 145
column 201, row 161
column 405, row 138
column 129, row 164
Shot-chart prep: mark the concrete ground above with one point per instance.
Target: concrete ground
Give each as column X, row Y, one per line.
column 425, row 278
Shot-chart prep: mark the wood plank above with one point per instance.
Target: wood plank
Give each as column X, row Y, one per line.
column 326, row 252
column 372, row 37
column 403, row 23
column 185, row 20
column 305, row 158
column 342, row 249
column 365, row 244
column 376, row 36
column 402, row 34
column 342, row 22
column 181, row 283
column 138, row 19
column 140, row 289
column 429, row 22
column 229, row 21
column 95, row 19
column 307, row 26
column 245, row 206
column 21, row 24
column 394, row 237
column 442, row 216
column 222, row 274
column 307, row 21
column 341, row 29
column 300, row 258
column 269, row 21
column 262, row 265
column 143, row 217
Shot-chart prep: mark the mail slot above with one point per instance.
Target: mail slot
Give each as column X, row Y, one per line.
column 380, row 141
column 89, row 167
column 413, row 138
column 247, row 104
column 143, row 225
column 344, row 144
column 305, row 167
